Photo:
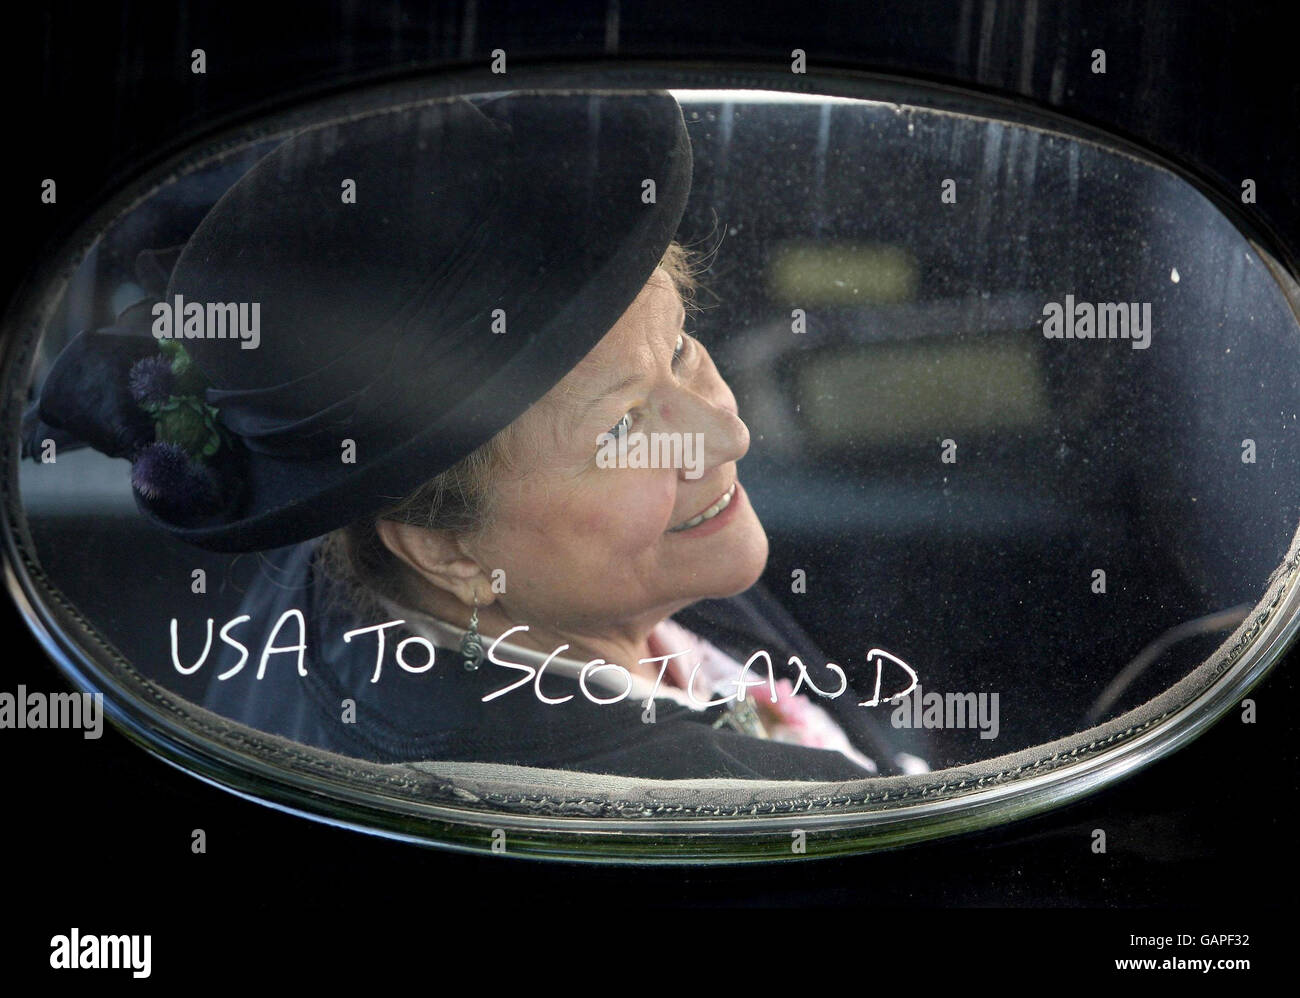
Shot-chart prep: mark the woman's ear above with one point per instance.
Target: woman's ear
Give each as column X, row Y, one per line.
column 438, row 559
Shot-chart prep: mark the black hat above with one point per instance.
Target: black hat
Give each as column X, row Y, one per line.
column 422, row 275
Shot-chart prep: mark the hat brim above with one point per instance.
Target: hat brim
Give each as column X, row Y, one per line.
column 289, row 499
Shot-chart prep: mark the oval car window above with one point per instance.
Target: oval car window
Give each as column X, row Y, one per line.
column 654, row 469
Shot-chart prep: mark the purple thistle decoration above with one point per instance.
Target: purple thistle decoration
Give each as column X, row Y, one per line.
column 152, row 381
column 172, row 485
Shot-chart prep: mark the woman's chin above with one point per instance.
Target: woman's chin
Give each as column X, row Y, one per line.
column 757, row 562
column 741, row 564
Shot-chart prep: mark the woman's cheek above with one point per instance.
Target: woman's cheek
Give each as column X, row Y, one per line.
column 631, row 516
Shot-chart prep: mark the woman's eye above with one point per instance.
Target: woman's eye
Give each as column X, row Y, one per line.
column 622, row 426
column 679, row 349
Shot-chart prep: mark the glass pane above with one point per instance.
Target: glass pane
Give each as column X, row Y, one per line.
column 754, row 435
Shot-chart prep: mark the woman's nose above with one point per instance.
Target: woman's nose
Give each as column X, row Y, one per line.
column 711, row 414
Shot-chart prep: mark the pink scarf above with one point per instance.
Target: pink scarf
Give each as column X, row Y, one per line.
column 793, row 718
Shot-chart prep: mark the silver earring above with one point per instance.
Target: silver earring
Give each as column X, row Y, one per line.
column 471, row 645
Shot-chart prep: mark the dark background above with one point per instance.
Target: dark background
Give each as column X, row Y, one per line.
column 98, row 833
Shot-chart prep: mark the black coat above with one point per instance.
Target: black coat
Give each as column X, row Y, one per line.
column 440, row 715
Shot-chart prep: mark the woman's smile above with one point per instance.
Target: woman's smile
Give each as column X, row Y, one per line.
column 713, row 518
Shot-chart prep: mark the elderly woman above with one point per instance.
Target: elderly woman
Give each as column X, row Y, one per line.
column 466, row 310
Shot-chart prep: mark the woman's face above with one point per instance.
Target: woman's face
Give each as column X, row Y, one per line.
column 586, row 545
